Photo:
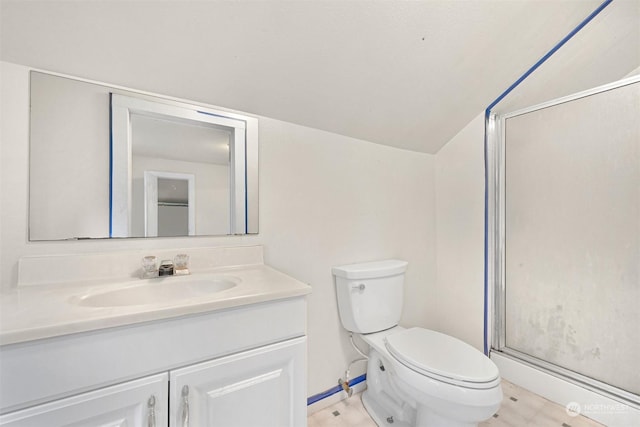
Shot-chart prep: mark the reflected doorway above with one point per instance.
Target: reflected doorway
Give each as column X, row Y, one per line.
column 169, row 208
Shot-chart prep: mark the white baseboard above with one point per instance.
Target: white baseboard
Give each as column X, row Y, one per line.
column 602, row 409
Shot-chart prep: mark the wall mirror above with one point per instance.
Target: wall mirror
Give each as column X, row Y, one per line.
column 112, row 163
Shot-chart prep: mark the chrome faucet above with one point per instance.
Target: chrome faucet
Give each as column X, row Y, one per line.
column 166, row 268
column 179, row 266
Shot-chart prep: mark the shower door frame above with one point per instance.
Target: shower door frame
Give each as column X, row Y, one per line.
column 496, row 235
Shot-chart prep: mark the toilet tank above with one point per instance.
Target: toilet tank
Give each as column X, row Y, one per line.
column 370, row 295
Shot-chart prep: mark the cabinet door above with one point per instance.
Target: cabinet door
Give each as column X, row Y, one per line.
column 265, row 387
column 141, row 403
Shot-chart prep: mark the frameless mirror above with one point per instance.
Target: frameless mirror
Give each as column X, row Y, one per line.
column 107, row 162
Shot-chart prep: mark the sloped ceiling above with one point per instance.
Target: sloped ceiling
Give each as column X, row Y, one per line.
column 605, row 50
column 405, row 74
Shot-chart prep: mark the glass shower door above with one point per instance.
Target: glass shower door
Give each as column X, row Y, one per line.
column 569, row 288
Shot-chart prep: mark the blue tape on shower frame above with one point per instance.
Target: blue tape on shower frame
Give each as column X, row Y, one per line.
column 316, row 397
column 246, row 198
column 110, row 165
column 487, row 114
column 246, row 187
column 210, row 114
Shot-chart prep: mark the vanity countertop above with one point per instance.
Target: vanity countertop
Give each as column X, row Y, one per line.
column 35, row 312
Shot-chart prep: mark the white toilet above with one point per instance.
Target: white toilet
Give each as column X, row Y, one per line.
column 415, row 377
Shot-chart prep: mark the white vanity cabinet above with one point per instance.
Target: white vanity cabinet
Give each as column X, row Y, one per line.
column 141, row 402
column 243, row 366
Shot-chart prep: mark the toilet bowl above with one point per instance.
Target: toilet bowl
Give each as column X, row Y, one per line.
column 415, row 376
column 434, row 387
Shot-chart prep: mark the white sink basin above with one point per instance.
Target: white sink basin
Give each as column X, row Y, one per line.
column 158, row 291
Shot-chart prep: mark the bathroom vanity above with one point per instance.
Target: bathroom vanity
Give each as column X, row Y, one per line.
column 234, row 357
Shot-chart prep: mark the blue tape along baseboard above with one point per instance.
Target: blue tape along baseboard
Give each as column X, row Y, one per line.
column 317, row 397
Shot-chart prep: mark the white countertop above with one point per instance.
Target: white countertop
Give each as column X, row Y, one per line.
column 35, row 312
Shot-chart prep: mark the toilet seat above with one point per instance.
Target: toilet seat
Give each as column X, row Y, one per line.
column 443, row 358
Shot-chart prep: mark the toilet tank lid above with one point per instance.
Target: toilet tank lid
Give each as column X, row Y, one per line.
column 370, row 270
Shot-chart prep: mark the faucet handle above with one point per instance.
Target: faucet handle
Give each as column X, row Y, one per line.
column 181, row 264
column 149, row 267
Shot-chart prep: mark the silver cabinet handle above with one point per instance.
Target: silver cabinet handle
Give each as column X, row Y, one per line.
column 185, row 406
column 151, row 411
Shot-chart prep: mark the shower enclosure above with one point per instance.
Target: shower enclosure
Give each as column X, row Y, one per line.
column 565, row 233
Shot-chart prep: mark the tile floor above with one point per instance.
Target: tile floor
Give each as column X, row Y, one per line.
column 520, row 408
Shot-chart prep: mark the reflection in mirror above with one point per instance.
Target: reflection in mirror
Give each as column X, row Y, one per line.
column 98, row 155
column 158, row 144
column 175, row 139
column 169, row 204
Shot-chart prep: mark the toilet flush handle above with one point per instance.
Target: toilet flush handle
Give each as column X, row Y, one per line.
column 359, row 287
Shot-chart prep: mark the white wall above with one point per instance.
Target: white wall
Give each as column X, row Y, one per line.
column 329, row 200
column 325, row 199
column 458, row 308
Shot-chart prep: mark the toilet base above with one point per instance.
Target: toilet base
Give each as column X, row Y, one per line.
column 378, row 413
column 425, row 418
